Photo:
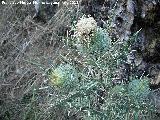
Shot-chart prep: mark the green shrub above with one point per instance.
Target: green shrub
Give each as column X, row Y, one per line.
column 129, row 101
column 101, row 58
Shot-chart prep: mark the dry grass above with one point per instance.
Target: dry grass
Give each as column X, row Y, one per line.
column 27, row 48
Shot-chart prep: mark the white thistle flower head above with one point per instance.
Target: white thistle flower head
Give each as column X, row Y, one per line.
column 85, row 27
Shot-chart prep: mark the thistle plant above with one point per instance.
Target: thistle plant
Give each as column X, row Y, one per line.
column 97, row 98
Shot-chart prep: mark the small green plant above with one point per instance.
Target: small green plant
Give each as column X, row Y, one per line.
column 64, row 76
column 139, row 88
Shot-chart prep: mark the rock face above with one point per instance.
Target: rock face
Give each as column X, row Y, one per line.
column 148, row 45
column 148, row 20
column 45, row 9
